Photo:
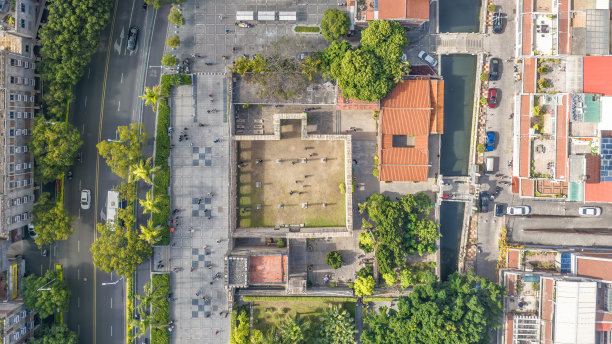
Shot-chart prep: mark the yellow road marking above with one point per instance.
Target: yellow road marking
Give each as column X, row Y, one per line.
column 108, row 51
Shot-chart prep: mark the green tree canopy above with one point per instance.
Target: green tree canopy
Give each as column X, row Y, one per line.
column 331, row 59
column 366, row 241
column 173, row 41
column 51, row 221
column 55, row 146
column 153, row 95
column 46, row 294
column 462, row 309
column 120, row 250
column 334, row 259
column 364, row 286
column 362, row 76
column 386, row 38
column 336, row 327
column 168, row 60
column 56, row 334
column 175, row 16
column 295, row 330
column 126, row 150
column 157, row 4
column 240, row 335
column 334, row 24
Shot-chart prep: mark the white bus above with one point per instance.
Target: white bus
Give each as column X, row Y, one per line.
column 112, row 204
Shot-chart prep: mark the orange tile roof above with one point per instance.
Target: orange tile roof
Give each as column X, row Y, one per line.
column 600, row 192
column 267, row 269
column 405, row 156
column 527, row 188
column 343, row 103
column 525, row 142
column 597, row 73
column 599, row 268
column 529, row 75
column 527, row 5
column 514, row 257
column 511, row 283
column 405, row 122
column 403, row 9
column 564, row 27
column 413, row 93
column 547, row 308
column 526, row 34
column 404, row 173
column 509, row 329
column 437, row 96
column 515, row 185
column 562, row 149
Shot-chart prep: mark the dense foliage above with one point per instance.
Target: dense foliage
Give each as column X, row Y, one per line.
column 54, row 146
column 403, row 228
column 69, row 38
column 46, row 294
column 334, row 259
column 462, row 309
column 241, row 331
column 334, row 24
column 56, row 334
column 364, row 285
column 119, row 249
column 126, row 150
column 161, row 287
column 51, row 221
column 336, row 326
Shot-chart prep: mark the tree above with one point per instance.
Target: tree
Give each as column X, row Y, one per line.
column 334, row 259
column 118, row 249
column 241, row 333
column 51, row 221
column 55, row 146
column 386, row 38
column 144, row 171
column 363, row 77
column 145, row 322
column 126, row 151
column 157, row 4
column 56, row 334
column 331, row 59
column 294, row 330
column 150, row 233
column 366, row 241
column 390, row 278
column 169, row 60
column 46, row 294
column 175, row 16
column 336, row 327
column 364, row 286
column 149, row 204
column 173, row 41
column 152, row 96
column 150, row 300
column 462, row 309
column 334, row 24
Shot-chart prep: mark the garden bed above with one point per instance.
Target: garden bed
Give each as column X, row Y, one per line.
column 306, row 29
column 161, row 335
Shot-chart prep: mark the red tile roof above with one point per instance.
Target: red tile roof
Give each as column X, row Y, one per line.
column 403, row 9
column 527, row 188
column 268, row 269
column 526, row 34
column 564, row 27
column 529, row 75
column 343, row 103
column 511, row 284
column 597, row 72
column 547, row 309
column 525, row 142
column 600, row 192
column 413, row 93
column 509, row 329
column 593, row 168
column 595, row 267
column 562, row 144
column 437, row 117
column 406, row 122
column 514, row 258
column 527, row 5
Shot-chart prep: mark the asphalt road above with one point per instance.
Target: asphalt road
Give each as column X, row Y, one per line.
column 118, row 77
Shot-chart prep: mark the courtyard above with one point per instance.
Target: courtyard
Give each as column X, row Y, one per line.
column 291, row 181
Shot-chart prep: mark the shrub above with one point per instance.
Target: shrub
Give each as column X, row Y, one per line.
column 483, row 100
column 480, row 148
column 161, row 282
column 168, row 60
column 334, row 259
column 342, row 187
column 543, row 70
column 280, row 243
column 173, row 41
column 390, row 278
column 543, row 83
column 366, row 242
column 175, row 16
column 491, row 8
column 306, row 29
column 365, row 271
column 484, row 76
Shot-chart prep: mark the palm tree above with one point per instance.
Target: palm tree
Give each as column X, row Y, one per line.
column 294, row 330
column 144, row 323
column 153, row 95
column 149, row 204
column 143, row 170
column 149, row 233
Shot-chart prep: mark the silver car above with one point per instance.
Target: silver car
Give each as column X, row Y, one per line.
column 519, row 210
column 425, row 57
column 589, row 211
column 85, row 199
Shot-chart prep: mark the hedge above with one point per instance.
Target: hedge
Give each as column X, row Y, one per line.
column 129, row 309
column 306, row 29
column 161, row 335
column 162, row 152
column 314, row 298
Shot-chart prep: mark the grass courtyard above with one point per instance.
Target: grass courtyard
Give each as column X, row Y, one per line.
column 290, row 182
column 268, row 314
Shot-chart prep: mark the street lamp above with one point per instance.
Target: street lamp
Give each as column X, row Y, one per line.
column 41, row 287
column 111, row 140
column 112, row 283
column 50, row 123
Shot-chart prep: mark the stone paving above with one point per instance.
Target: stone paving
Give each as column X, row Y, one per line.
column 199, row 179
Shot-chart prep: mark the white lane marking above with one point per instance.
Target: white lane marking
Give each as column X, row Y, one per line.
column 118, row 106
column 121, row 78
column 78, row 245
column 111, row 302
column 88, row 72
column 111, row 330
column 78, row 274
column 78, row 302
column 78, row 329
column 85, row 105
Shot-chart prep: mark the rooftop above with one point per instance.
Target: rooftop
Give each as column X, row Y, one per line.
column 597, row 74
column 403, row 9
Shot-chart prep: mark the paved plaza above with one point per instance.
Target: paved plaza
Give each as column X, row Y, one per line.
column 199, row 189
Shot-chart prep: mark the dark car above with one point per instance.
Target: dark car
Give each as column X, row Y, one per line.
column 484, row 202
column 499, row 210
column 132, row 38
column 494, row 69
column 490, row 145
column 497, row 22
column 492, row 98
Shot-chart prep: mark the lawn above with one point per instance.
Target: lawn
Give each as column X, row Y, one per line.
column 268, row 314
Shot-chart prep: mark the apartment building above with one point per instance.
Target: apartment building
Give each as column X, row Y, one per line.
column 16, row 323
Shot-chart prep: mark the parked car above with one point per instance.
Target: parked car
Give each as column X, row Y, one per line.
column 85, row 199
column 494, row 69
column 425, row 57
column 497, row 22
column 589, row 211
column 519, row 210
column 31, row 231
column 490, row 145
column 492, row 98
column 499, row 210
column 244, row 25
column 132, row 38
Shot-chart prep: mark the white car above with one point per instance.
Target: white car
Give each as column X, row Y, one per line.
column 589, row 211
column 85, row 199
column 31, row 231
column 425, row 57
column 518, row 210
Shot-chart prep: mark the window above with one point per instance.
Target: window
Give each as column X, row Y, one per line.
column 12, row 132
column 403, row 141
column 25, row 65
column 19, row 97
column 12, row 79
column 12, row 167
column 12, row 149
column 24, row 216
column 11, row 185
column 17, row 167
column 25, row 149
column 18, row 149
column 32, row 82
column 22, row 8
column 16, row 219
column 24, row 182
column 11, row 115
column 29, row 165
column 12, row 62
column 23, row 23
column 17, row 132
column 31, row 99
column 19, row 63
column 19, row 114
column 12, row 97
column 25, row 199
column 25, row 165
column 27, row 48
column 25, row 131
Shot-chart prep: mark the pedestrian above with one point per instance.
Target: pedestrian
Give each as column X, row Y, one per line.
column 191, row 269
column 210, row 95
column 217, row 332
column 218, row 241
column 346, row 131
column 354, row 129
column 210, row 267
column 226, row 31
column 205, row 247
column 310, row 154
column 355, row 161
column 197, row 293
